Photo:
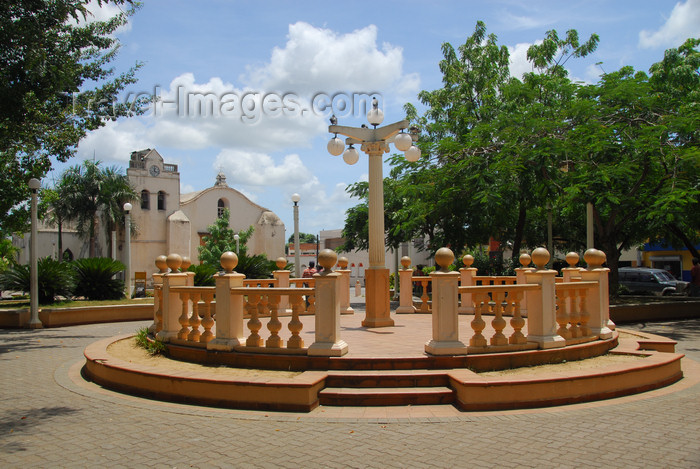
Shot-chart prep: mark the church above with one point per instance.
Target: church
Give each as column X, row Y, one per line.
column 167, row 221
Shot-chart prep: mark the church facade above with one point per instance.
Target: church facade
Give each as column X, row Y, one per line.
column 167, row 221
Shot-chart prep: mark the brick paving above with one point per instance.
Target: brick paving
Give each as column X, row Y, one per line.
column 48, row 418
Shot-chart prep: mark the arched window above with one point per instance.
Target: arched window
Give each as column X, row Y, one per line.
column 220, row 206
column 145, row 200
column 161, row 200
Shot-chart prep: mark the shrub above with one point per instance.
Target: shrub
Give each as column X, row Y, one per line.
column 55, row 278
column 94, row 278
column 154, row 347
column 203, row 275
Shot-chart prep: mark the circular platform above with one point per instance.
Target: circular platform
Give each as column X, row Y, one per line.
column 386, row 366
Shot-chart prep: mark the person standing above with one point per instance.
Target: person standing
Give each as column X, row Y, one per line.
column 695, row 278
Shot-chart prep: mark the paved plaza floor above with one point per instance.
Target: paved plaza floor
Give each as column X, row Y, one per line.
column 49, row 417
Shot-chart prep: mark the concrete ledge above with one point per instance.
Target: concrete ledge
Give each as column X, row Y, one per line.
column 673, row 309
column 299, row 394
column 61, row 317
column 478, row 393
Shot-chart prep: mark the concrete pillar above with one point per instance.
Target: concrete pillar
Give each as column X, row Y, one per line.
column 229, row 308
column 405, row 287
column 445, row 339
column 542, row 307
column 172, row 304
column 597, row 302
column 327, row 341
column 282, row 277
column 467, row 275
column 344, row 286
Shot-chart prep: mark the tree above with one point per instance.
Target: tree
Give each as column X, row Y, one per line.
column 90, row 192
column 56, row 84
column 303, row 238
column 220, row 238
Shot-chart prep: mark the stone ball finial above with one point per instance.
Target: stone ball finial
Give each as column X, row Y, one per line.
column 343, row 262
column 281, row 263
column 327, row 258
column 468, row 260
column 594, row 258
column 174, row 261
column 186, row 263
column 525, row 259
column 572, row 259
column 540, row 257
column 162, row 264
column 444, row 257
column 229, row 261
column 405, row 262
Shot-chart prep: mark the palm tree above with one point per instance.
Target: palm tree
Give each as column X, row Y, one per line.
column 89, row 191
column 57, row 212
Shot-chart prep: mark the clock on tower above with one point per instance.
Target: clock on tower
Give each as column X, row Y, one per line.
column 154, row 170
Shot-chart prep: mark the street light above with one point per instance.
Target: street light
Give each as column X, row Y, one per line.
column 127, row 250
column 34, row 321
column 375, row 142
column 238, row 240
column 297, row 262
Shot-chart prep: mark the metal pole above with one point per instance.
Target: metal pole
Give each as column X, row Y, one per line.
column 297, row 258
column 127, row 280
column 34, row 321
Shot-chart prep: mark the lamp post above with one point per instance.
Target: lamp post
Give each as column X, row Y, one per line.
column 375, row 142
column 238, row 241
column 127, row 250
column 297, row 262
column 34, row 321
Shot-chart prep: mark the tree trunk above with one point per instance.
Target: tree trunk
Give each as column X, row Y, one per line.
column 612, row 254
column 519, row 229
column 673, row 228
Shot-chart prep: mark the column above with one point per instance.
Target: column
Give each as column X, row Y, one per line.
column 344, row 272
column 467, row 274
column 282, row 277
column 406, row 287
column 172, row 304
column 161, row 263
column 520, row 279
column 445, row 339
column 542, row 308
column 327, row 340
column 229, row 308
column 597, row 301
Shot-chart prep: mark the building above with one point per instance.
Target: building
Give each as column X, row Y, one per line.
column 169, row 222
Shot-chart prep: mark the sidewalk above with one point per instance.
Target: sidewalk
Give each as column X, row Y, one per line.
column 50, row 419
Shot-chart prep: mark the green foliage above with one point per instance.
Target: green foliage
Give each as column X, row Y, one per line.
column 152, row 346
column 7, row 254
column 88, row 191
column 56, row 84
column 221, row 239
column 303, row 238
column 55, row 279
column 94, row 278
column 203, row 274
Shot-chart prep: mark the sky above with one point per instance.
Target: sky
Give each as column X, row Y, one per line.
column 247, row 87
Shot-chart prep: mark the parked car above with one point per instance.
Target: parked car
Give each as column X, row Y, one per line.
column 651, row 281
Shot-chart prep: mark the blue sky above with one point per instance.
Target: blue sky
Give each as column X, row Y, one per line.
column 236, row 52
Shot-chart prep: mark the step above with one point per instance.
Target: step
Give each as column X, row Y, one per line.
column 386, row 396
column 387, row 379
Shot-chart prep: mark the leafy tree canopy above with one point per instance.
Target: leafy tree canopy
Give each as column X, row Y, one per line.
column 56, row 84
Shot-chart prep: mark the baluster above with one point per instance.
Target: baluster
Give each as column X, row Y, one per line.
column 311, row 309
column 584, row 315
column 195, row 334
column 574, row 314
column 480, row 301
column 254, row 324
column 263, row 310
column 207, row 320
column 517, row 322
column 274, row 326
column 562, row 313
column 424, row 307
column 498, row 323
column 184, row 320
column 295, row 325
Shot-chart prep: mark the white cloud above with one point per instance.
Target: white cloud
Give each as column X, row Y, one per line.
column 518, row 60
column 250, row 169
column 105, row 12
column 515, row 22
column 683, row 23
